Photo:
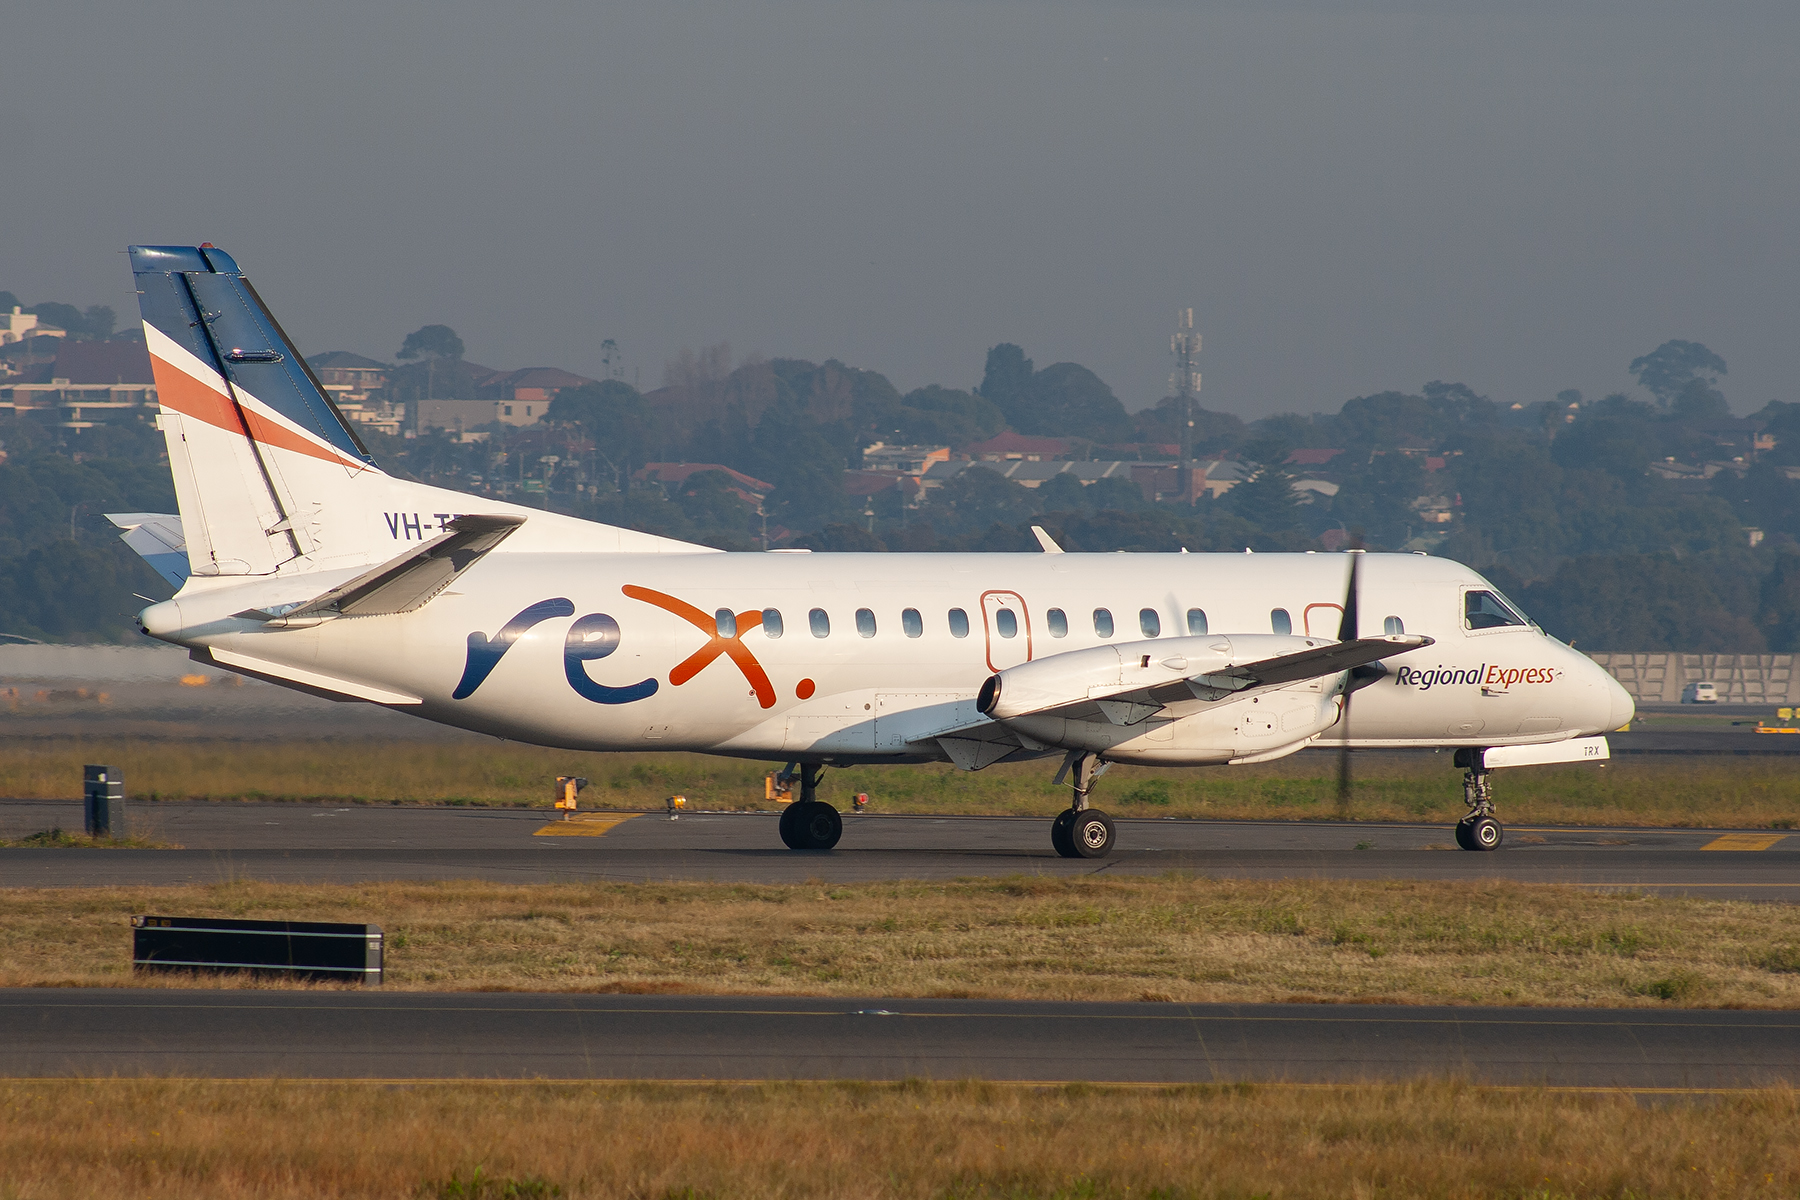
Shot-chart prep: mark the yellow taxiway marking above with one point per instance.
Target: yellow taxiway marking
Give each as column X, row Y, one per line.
column 1744, row 841
column 586, row 825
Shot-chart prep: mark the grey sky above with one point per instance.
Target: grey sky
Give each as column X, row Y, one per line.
column 1353, row 197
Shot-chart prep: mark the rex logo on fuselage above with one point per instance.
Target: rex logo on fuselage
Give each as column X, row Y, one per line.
column 597, row 635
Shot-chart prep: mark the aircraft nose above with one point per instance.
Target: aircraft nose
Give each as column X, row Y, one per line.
column 1623, row 706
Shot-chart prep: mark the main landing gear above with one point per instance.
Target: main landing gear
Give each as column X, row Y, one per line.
column 1479, row 830
column 809, row 823
column 1080, row 831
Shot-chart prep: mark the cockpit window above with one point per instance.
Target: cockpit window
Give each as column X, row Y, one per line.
column 1488, row 610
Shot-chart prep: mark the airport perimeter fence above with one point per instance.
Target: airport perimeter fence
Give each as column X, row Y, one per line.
column 1659, row 677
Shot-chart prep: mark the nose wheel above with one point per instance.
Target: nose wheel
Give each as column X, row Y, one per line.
column 1080, row 831
column 1480, row 830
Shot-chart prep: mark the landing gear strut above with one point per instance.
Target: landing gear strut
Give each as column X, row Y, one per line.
column 809, row 823
column 1080, row 831
column 1479, row 830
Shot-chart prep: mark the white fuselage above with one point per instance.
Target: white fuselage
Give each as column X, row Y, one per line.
column 882, row 692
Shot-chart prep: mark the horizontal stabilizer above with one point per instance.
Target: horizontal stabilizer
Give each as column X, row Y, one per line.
column 408, row 582
column 158, row 540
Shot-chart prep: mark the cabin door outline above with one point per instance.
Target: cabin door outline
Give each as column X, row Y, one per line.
column 1003, row 652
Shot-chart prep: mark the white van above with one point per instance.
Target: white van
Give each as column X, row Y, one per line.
column 1700, row 693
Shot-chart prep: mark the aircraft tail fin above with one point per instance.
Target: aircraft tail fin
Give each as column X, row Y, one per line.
column 269, row 476
column 254, row 441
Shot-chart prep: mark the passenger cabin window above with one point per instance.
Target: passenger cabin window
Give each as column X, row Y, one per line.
column 725, row 622
column 1486, row 610
column 959, row 623
column 1280, row 622
column 1058, row 622
column 1102, row 623
column 1149, row 622
column 865, row 622
column 821, row 624
column 771, row 622
column 1006, row 623
column 911, row 623
column 1196, row 622
column 1393, row 625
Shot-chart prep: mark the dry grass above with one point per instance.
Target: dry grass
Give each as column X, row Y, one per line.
column 62, row 839
column 1749, row 793
column 1065, row 939
column 203, row 1140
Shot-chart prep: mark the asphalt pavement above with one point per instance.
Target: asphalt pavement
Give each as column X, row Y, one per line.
column 412, row 1035
column 316, row 843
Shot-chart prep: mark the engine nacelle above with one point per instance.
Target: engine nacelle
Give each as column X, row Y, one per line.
column 1032, row 699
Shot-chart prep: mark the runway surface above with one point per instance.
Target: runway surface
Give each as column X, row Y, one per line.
column 103, row 1032
column 312, row 843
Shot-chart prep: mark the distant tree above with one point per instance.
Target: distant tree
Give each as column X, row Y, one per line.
column 1267, row 501
column 941, row 416
column 1068, row 400
column 95, row 324
column 1007, row 376
column 1377, row 497
column 1669, row 368
column 8, row 302
column 1698, row 402
column 431, row 341
column 708, row 499
column 614, row 416
column 840, row 537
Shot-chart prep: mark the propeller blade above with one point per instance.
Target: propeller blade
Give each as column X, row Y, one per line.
column 1347, row 632
column 1352, row 592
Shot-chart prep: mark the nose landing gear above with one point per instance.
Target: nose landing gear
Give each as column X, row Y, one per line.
column 1480, row 830
column 809, row 823
column 1080, row 831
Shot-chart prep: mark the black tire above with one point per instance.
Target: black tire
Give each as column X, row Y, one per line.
column 790, row 826
column 1485, row 834
column 1462, row 834
column 1092, row 834
column 818, row 827
column 1060, row 836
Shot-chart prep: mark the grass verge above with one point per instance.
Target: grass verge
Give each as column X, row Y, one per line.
column 1740, row 793
column 1109, row 938
column 61, row 839
column 208, row 1140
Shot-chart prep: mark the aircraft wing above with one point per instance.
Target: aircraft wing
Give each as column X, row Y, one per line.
column 1131, row 705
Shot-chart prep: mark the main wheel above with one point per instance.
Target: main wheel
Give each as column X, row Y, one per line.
column 1462, row 834
column 816, row 827
column 791, row 836
column 1092, row 833
column 1062, row 837
column 1485, row 834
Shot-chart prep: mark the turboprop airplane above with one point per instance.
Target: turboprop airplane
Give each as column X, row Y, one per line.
column 299, row 561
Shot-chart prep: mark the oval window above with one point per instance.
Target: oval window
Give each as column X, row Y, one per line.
column 1280, row 622
column 1196, row 622
column 771, row 622
column 1149, row 622
column 911, row 623
column 1058, row 622
column 959, row 623
column 725, row 622
column 1006, row 623
column 1393, row 625
column 821, row 624
column 1103, row 622
column 865, row 622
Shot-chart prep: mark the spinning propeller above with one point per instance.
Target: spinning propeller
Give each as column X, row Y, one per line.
column 1347, row 633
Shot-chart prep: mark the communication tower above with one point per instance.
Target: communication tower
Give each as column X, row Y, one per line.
column 1185, row 346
